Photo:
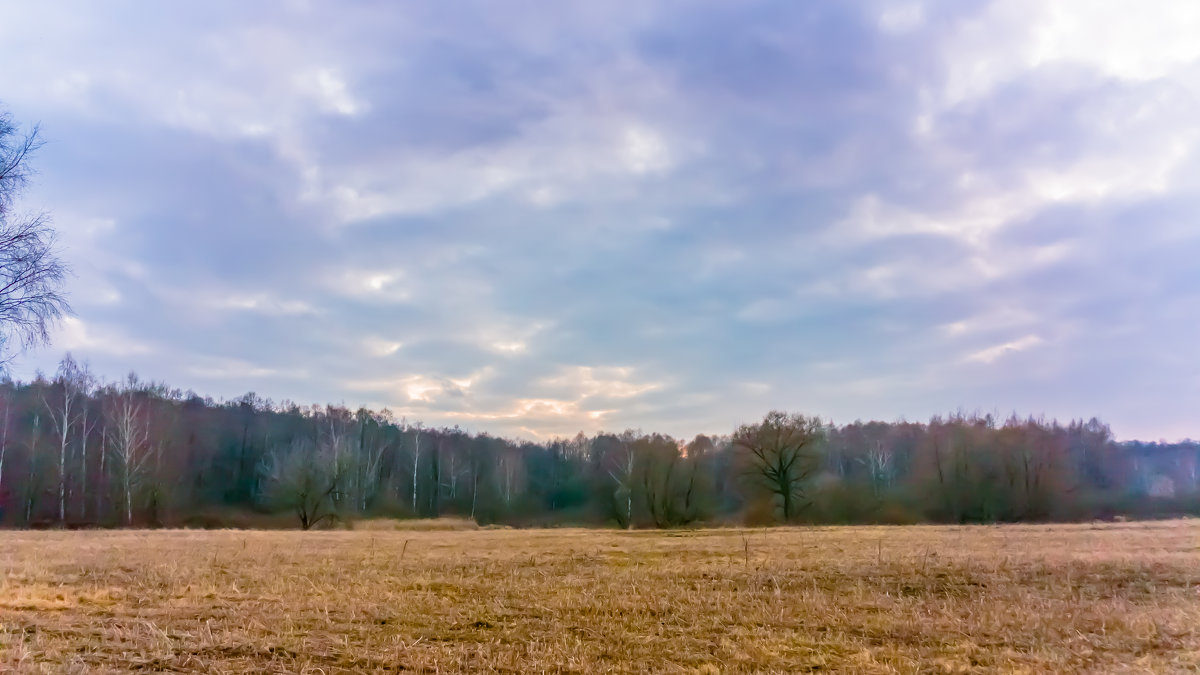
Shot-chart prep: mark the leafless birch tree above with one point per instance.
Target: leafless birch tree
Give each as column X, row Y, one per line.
column 416, row 460
column 128, row 440
column 63, row 405
column 622, row 474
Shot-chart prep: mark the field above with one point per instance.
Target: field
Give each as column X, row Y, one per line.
column 1120, row 597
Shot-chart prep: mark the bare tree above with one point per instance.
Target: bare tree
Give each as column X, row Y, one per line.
column 64, row 412
column 416, row 459
column 669, row 481
column 780, row 454
column 31, row 273
column 128, row 438
column 306, row 478
column 657, row 471
column 482, row 457
column 103, row 491
column 87, row 424
column 622, row 475
column 336, row 444
column 453, row 470
column 370, row 455
column 880, row 466
column 509, row 464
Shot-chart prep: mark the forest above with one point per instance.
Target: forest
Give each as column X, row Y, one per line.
column 78, row 453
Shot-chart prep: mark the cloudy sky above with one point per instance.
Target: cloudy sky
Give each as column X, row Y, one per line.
column 535, row 218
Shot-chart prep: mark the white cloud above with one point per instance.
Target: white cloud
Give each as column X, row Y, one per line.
column 328, row 88
column 379, row 284
column 607, row 382
column 996, row 352
column 262, row 303
column 75, row 335
column 1000, row 318
column 1149, row 40
column 645, row 151
column 380, row 347
column 1138, row 42
column 513, row 347
column 419, row 388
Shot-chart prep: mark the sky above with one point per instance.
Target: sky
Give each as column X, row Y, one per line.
column 534, row 218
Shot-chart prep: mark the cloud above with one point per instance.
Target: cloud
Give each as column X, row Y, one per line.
column 235, row 369
column 538, row 219
column 75, row 335
column 608, row 383
column 991, row 354
column 380, row 347
column 329, row 91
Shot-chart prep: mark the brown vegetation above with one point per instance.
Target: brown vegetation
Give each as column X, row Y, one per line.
column 1117, row 597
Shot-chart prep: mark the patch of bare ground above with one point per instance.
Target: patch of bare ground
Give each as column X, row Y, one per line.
column 1064, row 598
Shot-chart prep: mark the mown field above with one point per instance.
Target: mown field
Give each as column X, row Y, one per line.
column 1119, row 597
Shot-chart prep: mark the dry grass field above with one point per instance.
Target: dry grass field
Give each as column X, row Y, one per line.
column 1120, row 597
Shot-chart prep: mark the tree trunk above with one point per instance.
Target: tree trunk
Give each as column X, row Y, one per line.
column 436, row 494
column 416, row 462
column 363, row 464
column 102, row 478
column 64, row 428
column 4, row 442
column 474, row 494
column 83, row 482
column 30, row 488
column 128, row 495
column 629, row 508
column 787, row 501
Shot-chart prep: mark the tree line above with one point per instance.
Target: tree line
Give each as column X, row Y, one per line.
column 75, row 452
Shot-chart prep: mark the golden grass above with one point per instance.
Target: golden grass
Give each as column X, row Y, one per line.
column 1093, row 598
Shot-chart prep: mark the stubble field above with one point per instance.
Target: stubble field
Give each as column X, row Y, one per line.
column 1119, row 597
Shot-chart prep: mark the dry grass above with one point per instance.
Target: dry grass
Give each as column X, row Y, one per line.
column 1094, row 598
column 414, row 525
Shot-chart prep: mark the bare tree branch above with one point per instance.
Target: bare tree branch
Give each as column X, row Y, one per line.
column 31, row 273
